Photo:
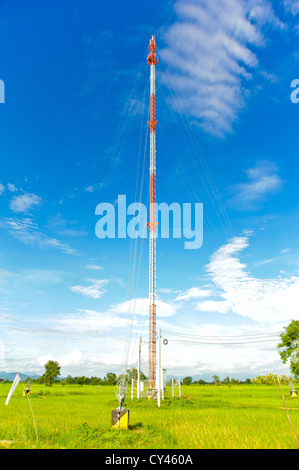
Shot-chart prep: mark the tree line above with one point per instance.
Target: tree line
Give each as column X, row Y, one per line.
column 269, row 379
column 52, row 371
column 216, row 381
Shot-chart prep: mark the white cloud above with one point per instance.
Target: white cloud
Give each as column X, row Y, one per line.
column 25, row 202
column 139, row 306
column 261, row 12
column 2, row 189
column 90, row 189
column 95, row 290
column 166, row 290
column 266, row 301
column 262, row 181
column 193, row 293
column 72, row 359
column 211, row 55
column 214, row 306
column 11, row 187
column 94, row 266
column 292, row 6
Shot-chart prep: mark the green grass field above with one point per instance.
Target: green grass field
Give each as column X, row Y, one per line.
column 206, row 417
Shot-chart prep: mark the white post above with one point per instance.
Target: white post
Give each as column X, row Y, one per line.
column 159, row 369
column 172, row 386
column 179, row 387
column 139, row 360
column 132, row 389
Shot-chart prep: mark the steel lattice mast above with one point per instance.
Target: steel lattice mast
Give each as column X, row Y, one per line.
column 152, row 224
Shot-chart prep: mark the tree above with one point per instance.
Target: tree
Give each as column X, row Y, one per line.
column 260, row 380
column 289, row 346
column 110, row 379
column 52, row 370
column 41, row 379
column 234, row 381
column 270, row 379
column 81, row 380
column 216, row 379
column 226, row 381
column 69, row 380
column 132, row 374
column 199, row 382
column 285, row 380
column 187, row 380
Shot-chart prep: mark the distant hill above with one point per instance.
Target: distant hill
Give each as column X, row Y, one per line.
column 11, row 375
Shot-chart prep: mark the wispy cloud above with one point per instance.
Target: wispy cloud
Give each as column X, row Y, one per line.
column 267, row 261
column 292, row 6
column 25, row 202
column 12, row 188
column 91, row 321
column 193, row 293
column 90, row 189
column 211, row 55
column 94, row 267
column 27, row 231
column 63, row 227
column 262, row 180
column 95, row 290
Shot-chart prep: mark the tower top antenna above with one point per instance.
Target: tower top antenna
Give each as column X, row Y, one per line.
column 152, row 59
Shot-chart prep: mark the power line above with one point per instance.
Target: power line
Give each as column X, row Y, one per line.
column 259, row 335
column 205, row 342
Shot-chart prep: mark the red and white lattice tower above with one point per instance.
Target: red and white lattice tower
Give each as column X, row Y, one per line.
column 152, row 224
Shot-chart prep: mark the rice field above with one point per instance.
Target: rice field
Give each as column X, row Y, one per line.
column 206, row 417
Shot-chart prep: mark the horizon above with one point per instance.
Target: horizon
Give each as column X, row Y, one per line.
column 204, row 377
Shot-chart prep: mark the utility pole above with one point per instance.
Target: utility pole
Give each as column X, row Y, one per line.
column 152, row 224
column 138, row 368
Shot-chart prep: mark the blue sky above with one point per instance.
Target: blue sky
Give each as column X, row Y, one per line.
column 74, row 134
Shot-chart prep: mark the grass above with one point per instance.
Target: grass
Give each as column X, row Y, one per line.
column 206, row 417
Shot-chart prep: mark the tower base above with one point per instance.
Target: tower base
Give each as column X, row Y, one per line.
column 120, row 418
